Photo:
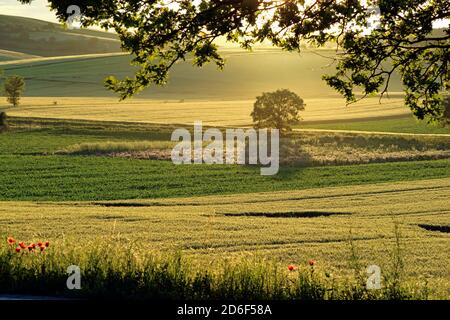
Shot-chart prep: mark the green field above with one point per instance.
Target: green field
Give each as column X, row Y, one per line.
column 61, row 178
column 406, row 124
column 34, row 172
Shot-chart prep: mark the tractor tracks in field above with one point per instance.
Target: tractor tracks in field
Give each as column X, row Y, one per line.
column 281, row 199
column 277, row 244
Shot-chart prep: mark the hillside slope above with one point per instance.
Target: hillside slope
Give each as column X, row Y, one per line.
column 242, row 78
column 42, row 38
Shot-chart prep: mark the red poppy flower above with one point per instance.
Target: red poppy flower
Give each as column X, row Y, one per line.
column 11, row 240
column 30, row 247
column 312, row 262
column 17, row 249
column 291, row 267
column 47, row 243
column 42, row 248
column 39, row 244
column 22, row 245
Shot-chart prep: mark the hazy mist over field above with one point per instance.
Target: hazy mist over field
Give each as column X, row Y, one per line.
column 37, row 10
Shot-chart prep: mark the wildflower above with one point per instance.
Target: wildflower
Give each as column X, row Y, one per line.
column 39, row 244
column 291, row 267
column 17, row 249
column 30, row 247
column 312, row 262
column 42, row 248
column 11, row 240
column 47, row 243
column 22, row 245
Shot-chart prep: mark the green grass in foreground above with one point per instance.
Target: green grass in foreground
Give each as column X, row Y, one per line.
column 60, row 178
column 402, row 125
column 110, row 268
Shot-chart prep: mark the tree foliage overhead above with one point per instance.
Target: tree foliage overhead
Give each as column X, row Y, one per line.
column 161, row 32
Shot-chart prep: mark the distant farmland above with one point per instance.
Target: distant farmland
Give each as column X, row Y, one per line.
column 242, row 78
column 72, row 88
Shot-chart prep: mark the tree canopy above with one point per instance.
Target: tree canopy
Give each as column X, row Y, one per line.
column 161, row 32
column 279, row 110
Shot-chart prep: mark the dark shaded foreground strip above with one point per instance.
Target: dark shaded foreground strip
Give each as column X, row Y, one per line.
column 120, row 309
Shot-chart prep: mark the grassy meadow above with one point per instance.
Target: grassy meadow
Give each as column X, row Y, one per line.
column 358, row 185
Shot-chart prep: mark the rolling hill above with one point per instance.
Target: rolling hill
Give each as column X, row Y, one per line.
column 243, row 77
column 42, row 38
column 246, row 75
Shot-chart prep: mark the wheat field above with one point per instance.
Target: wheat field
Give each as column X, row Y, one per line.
column 288, row 226
column 219, row 113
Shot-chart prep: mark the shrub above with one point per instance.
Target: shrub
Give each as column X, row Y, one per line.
column 3, row 121
column 14, row 87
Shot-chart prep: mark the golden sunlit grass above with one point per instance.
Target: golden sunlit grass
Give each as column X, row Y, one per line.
column 289, row 227
column 217, row 113
column 114, row 146
column 305, row 148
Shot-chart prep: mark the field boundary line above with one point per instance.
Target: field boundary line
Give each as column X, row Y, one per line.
column 374, row 132
column 18, row 55
column 59, row 59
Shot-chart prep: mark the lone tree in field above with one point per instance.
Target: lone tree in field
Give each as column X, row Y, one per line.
column 278, row 110
column 14, row 87
column 375, row 39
